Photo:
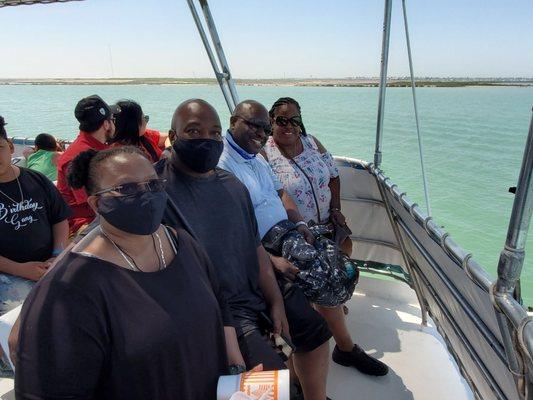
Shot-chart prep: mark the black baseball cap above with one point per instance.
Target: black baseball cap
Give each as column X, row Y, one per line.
column 91, row 111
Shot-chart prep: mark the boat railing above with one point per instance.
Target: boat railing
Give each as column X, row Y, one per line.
column 22, row 141
column 458, row 293
column 514, row 322
column 30, row 141
column 462, row 257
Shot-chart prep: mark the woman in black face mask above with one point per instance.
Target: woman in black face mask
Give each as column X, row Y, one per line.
column 132, row 311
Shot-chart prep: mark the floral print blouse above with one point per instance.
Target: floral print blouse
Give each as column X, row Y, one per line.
column 319, row 167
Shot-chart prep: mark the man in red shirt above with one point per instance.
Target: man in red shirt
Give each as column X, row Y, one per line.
column 96, row 128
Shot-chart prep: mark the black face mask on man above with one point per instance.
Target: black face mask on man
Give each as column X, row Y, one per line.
column 138, row 214
column 200, row 155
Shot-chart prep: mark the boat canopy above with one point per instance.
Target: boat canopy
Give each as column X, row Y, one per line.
column 5, row 3
column 482, row 321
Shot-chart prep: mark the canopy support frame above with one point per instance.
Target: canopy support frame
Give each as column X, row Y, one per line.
column 413, row 89
column 383, row 81
column 219, row 62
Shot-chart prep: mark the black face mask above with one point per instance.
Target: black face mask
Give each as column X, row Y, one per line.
column 140, row 214
column 200, row 155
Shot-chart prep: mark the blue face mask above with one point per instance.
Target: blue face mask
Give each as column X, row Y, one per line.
column 138, row 214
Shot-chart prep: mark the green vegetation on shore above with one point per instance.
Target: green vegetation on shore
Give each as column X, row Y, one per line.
column 345, row 82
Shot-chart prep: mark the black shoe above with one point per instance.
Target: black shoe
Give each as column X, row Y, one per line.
column 360, row 360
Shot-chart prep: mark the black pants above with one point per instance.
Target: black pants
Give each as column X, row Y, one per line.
column 308, row 331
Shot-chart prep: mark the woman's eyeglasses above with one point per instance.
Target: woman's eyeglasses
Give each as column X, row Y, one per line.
column 295, row 121
column 146, row 118
column 130, row 189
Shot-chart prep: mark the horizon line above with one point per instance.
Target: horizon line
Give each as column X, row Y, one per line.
column 352, row 78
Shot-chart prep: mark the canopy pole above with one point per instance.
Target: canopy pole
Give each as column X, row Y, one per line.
column 220, row 51
column 413, row 89
column 383, row 80
column 219, row 75
column 513, row 253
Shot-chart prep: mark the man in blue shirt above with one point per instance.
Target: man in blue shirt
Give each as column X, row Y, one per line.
column 250, row 125
column 240, row 156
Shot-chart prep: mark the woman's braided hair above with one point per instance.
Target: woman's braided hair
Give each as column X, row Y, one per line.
column 84, row 171
column 282, row 101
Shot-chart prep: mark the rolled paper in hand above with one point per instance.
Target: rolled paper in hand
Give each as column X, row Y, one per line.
column 265, row 385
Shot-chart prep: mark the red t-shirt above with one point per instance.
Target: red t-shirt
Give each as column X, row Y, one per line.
column 76, row 198
column 153, row 137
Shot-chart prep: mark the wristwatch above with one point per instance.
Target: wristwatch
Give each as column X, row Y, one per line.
column 236, row 369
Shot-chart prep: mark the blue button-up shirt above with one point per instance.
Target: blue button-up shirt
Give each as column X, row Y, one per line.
column 255, row 173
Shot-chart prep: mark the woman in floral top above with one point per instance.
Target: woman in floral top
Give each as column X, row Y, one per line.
column 309, row 175
column 304, row 167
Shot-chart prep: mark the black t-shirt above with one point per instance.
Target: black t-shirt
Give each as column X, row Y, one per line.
column 221, row 216
column 26, row 226
column 93, row 330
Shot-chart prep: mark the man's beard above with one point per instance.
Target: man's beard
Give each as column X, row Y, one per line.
column 109, row 135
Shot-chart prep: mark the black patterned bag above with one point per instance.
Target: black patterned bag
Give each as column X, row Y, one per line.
column 327, row 275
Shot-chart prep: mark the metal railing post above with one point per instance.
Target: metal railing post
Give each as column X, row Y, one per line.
column 383, row 80
column 512, row 255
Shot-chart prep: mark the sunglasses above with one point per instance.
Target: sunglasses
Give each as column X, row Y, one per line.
column 295, row 121
column 146, row 118
column 257, row 124
column 130, row 189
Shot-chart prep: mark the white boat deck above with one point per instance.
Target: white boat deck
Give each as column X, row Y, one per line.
column 384, row 319
column 6, row 389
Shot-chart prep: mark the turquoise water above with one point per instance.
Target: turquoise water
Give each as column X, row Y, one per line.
column 473, row 139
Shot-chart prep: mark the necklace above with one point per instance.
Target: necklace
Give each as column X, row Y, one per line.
column 160, row 258
column 132, row 265
column 161, row 250
column 20, row 189
column 155, row 250
column 295, row 149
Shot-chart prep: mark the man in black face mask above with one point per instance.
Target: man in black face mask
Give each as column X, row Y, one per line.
column 216, row 208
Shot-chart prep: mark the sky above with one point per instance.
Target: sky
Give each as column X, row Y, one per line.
column 266, row 39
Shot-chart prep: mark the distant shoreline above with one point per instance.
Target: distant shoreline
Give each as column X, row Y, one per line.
column 347, row 82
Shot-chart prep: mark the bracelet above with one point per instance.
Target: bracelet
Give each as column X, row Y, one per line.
column 335, row 209
column 300, row 223
column 56, row 252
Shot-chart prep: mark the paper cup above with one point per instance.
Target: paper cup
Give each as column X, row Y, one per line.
column 266, row 385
